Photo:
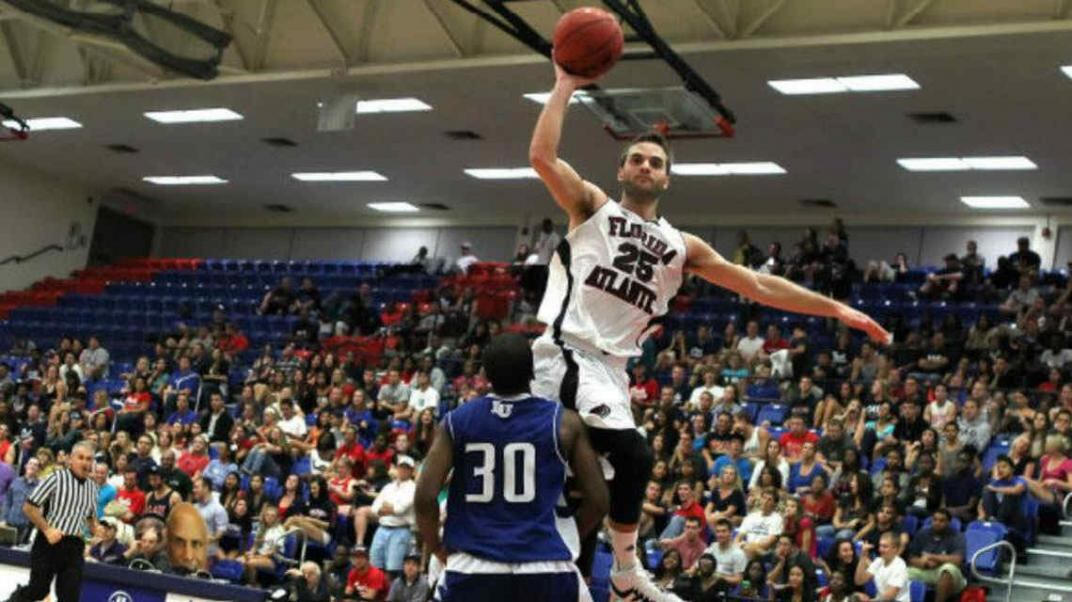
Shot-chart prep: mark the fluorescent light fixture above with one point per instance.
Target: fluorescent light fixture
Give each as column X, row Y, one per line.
column 753, row 169
column 394, row 207
column 1067, row 69
column 193, row 116
column 184, row 180
column 727, row 169
column 995, row 202
column 878, row 83
column 509, row 173
column 542, row 97
column 934, row 164
column 391, row 105
column 339, row 176
column 818, row 85
column 967, row 163
column 987, row 163
column 698, row 169
column 45, row 123
column 852, row 83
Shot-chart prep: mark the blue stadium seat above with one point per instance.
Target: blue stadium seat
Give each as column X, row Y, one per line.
column 910, row 524
column 751, row 409
column 917, row 591
column 979, row 535
column 996, row 448
column 953, row 522
column 774, row 412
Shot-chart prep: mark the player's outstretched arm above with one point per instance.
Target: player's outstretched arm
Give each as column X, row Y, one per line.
column 595, row 499
column 434, row 473
column 580, row 199
column 774, row 291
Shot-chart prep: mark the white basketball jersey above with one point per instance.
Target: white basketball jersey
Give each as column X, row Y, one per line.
column 611, row 278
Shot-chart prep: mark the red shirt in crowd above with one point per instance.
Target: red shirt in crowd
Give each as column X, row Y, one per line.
column 133, row 499
column 386, row 456
column 696, row 510
column 645, row 392
column 356, row 452
column 343, row 484
column 371, row 577
column 793, row 443
column 192, row 463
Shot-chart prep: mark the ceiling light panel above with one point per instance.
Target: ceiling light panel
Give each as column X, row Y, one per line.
column 204, row 180
column 884, row 82
column 339, row 176
column 194, row 116
column 394, row 207
column 42, row 124
column 507, row 173
column 392, row 105
column 995, row 202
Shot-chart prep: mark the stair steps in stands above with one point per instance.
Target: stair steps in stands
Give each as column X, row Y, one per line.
column 1047, row 574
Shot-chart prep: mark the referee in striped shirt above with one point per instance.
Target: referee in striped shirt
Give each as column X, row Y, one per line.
column 61, row 508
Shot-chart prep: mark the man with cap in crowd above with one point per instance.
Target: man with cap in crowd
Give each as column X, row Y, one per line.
column 161, row 497
column 411, row 585
column 393, row 508
column 365, row 582
column 467, row 258
column 105, row 548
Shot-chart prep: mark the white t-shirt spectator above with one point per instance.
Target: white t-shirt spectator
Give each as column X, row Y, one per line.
column 894, row 574
column 1052, row 359
column 464, row 262
column 755, row 526
column 419, row 400
column 1019, row 299
column 294, row 426
column 748, row 347
column 93, row 360
column 400, row 495
column 714, row 390
column 730, row 561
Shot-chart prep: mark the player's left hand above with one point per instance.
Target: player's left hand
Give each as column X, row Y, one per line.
column 860, row 321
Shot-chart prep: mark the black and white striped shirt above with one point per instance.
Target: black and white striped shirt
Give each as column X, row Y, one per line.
column 67, row 501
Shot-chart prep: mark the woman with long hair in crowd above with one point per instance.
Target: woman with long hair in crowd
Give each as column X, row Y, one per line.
column 799, row 526
column 291, row 497
column 1055, row 472
column 770, row 479
column 841, row 558
column 424, row 432
column 669, row 569
column 798, row 586
column 267, row 545
column 239, row 527
column 773, row 458
column 231, row 490
column 802, row 472
column 754, row 584
column 853, row 507
column 727, row 499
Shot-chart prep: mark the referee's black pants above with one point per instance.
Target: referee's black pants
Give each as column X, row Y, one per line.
column 62, row 561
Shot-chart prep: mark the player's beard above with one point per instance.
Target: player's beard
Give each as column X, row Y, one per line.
column 642, row 194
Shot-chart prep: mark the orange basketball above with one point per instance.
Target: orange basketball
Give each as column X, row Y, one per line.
column 588, row 42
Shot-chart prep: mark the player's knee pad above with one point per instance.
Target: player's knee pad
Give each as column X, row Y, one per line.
column 632, row 460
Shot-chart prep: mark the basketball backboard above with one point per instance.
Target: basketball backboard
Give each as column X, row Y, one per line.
column 674, row 112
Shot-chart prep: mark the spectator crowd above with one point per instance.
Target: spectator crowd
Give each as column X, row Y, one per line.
column 781, row 446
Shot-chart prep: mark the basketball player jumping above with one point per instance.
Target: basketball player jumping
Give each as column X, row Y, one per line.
column 612, row 276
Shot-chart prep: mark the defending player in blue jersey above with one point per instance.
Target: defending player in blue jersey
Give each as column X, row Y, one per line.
column 509, row 452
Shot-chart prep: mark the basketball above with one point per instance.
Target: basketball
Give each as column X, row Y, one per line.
column 588, row 42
